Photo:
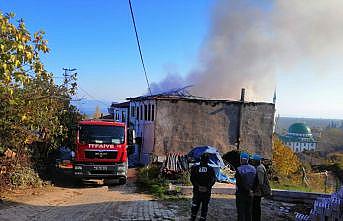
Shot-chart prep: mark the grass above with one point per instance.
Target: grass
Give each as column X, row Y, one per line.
column 151, row 181
column 284, row 186
column 316, row 183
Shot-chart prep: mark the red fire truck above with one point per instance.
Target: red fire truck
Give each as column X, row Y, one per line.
column 101, row 150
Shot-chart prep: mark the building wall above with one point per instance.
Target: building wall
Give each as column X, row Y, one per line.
column 301, row 146
column 183, row 124
column 257, row 128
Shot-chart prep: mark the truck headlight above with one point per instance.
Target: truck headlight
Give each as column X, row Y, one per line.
column 78, row 167
column 121, row 168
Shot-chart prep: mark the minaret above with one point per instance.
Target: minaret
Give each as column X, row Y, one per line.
column 276, row 118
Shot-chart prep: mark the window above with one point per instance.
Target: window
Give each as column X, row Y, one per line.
column 123, row 117
column 152, row 112
column 132, row 111
column 149, row 112
column 98, row 134
column 145, row 112
column 141, row 118
column 116, row 117
column 137, row 113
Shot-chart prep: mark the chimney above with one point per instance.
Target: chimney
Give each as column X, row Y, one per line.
column 243, row 95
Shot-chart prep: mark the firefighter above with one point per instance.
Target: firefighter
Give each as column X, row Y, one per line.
column 203, row 178
column 245, row 180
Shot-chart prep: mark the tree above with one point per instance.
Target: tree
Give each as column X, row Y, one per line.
column 33, row 108
column 285, row 161
column 331, row 141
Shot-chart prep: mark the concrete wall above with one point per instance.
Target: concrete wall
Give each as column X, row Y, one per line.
column 183, row 124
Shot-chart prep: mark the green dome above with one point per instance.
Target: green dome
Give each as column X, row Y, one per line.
column 299, row 128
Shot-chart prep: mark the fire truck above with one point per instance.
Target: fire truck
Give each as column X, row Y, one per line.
column 101, row 150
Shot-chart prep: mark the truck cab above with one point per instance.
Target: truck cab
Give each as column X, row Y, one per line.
column 101, row 150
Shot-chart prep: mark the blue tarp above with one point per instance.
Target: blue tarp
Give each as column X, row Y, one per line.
column 216, row 161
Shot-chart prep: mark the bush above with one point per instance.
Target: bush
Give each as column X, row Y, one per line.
column 149, row 180
column 184, row 179
column 24, row 177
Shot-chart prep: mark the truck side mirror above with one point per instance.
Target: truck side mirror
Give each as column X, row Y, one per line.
column 75, row 127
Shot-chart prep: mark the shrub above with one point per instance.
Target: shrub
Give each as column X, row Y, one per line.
column 149, row 179
column 24, row 177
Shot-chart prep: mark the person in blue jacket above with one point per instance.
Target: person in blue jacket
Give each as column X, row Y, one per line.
column 203, row 178
column 245, row 182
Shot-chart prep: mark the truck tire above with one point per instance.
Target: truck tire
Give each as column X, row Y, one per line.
column 122, row 180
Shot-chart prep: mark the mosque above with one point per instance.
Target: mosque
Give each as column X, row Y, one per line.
column 299, row 138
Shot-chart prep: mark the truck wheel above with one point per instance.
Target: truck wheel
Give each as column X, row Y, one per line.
column 122, row 180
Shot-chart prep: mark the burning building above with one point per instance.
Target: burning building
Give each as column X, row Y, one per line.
column 176, row 121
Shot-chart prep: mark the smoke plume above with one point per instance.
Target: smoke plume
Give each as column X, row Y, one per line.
column 249, row 41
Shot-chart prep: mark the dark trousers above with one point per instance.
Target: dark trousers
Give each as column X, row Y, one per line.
column 256, row 209
column 202, row 198
column 244, row 207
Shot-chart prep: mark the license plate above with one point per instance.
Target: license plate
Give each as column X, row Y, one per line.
column 100, row 168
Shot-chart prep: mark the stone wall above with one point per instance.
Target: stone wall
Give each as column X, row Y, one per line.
column 183, row 124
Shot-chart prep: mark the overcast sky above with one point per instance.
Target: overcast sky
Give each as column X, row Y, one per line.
column 97, row 38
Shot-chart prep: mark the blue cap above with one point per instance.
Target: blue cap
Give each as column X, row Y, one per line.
column 256, row 157
column 244, row 155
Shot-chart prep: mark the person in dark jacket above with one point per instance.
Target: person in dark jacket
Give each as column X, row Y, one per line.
column 203, row 178
column 245, row 180
column 259, row 191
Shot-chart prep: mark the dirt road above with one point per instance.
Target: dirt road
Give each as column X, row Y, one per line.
column 121, row 203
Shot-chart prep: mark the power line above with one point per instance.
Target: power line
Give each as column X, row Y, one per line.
column 66, row 75
column 139, row 48
column 91, row 96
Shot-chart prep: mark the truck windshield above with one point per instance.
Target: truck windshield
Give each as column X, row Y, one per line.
column 102, row 134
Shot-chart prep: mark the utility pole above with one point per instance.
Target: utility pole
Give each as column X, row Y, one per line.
column 66, row 71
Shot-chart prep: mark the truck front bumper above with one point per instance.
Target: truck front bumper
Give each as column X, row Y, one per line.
column 99, row 171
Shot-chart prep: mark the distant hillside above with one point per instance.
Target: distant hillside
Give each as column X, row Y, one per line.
column 88, row 106
column 283, row 123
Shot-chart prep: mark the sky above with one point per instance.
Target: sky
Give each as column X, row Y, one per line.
column 97, row 38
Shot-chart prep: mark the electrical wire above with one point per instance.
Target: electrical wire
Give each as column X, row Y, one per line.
column 91, row 96
column 139, row 47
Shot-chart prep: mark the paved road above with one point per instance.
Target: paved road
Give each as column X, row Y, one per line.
column 121, row 203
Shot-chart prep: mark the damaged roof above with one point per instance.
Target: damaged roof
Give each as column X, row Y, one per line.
column 184, row 94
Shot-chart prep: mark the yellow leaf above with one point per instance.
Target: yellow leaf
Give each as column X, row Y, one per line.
column 4, row 66
column 28, row 55
column 20, row 47
column 23, row 118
